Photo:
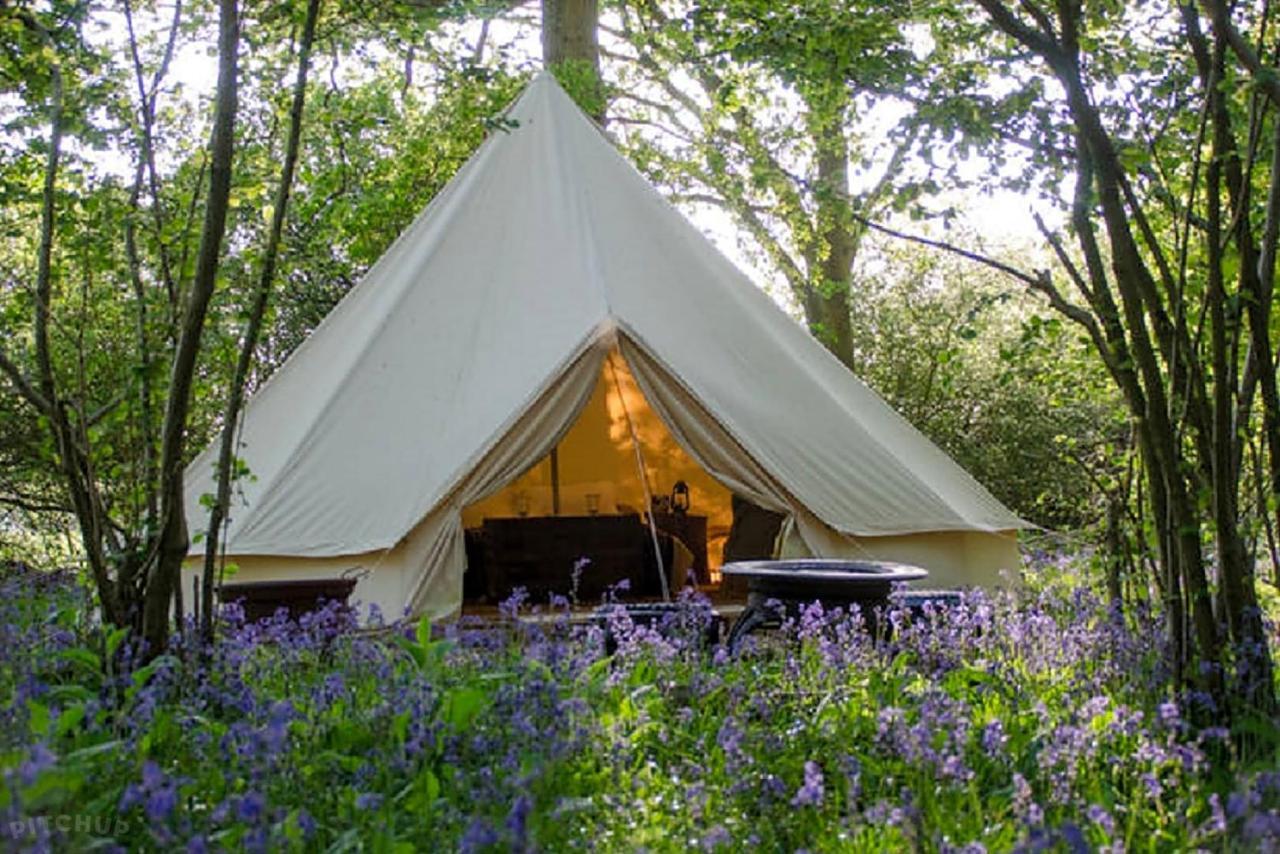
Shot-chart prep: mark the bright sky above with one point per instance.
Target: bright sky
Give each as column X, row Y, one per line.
column 1002, row 220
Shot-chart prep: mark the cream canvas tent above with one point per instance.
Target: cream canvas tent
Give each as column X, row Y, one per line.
column 547, row 272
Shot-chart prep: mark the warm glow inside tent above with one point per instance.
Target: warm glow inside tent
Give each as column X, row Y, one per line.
column 598, row 472
column 550, row 300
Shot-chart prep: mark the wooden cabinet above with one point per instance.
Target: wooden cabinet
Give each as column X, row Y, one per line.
column 539, row 553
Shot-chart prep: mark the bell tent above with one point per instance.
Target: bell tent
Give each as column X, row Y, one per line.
column 549, row 299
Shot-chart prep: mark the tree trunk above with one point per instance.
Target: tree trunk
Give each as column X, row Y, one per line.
column 164, row 567
column 569, row 32
column 827, row 308
column 1114, row 554
column 262, row 297
column 1243, row 618
column 1260, row 345
column 570, row 48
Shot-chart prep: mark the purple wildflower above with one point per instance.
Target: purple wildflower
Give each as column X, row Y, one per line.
column 368, row 801
column 811, row 792
column 251, row 807
column 517, row 823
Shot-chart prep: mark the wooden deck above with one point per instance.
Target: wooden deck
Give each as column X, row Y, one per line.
column 726, row 611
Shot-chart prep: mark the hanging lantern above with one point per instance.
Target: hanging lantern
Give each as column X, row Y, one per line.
column 680, row 497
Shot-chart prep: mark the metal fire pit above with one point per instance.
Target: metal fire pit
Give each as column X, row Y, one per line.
column 792, row 584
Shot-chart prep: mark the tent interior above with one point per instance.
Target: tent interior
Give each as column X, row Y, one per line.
column 592, row 494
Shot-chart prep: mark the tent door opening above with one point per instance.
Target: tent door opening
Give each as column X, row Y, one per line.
column 577, row 522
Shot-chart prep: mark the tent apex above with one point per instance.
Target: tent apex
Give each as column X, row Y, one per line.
column 544, row 76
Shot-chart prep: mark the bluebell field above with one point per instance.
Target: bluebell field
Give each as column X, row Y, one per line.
column 1041, row 721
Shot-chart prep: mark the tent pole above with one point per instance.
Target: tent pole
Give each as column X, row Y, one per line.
column 555, row 481
column 644, row 484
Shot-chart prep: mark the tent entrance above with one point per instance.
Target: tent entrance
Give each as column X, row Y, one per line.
column 586, row 501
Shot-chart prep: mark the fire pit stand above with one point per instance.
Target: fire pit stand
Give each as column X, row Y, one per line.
column 781, row 587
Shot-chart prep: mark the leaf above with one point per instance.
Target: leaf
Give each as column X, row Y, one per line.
column 1261, row 729
column 38, row 718
column 93, row 750
column 53, row 788
column 114, row 640
column 597, row 670
column 430, row 785
column 87, row 660
column 69, row 719
column 143, row 675
column 71, row 693
column 462, row 705
column 414, row 650
column 400, row 725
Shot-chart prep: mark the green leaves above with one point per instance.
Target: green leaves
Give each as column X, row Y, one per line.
column 38, row 718
column 579, row 79
column 461, row 706
column 426, row 652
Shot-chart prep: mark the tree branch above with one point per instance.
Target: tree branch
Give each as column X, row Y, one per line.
column 23, row 385
column 1264, row 76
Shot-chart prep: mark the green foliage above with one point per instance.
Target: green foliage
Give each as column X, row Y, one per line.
column 580, row 80
column 1002, row 722
column 376, row 149
column 1016, row 397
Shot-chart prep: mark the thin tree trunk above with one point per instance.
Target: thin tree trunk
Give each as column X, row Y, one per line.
column 1264, row 514
column 1260, row 330
column 146, row 420
column 147, row 113
column 173, row 543
column 1243, row 618
column 1114, row 554
column 88, row 511
column 249, row 343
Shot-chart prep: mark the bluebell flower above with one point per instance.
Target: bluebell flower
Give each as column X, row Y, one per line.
column 810, row 794
column 715, row 838
column 1099, row 816
column 1217, row 816
column 994, row 739
column 251, row 807
column 517, row 822
column 478, row 836
column 368, row 801
column 161, row 803
column 40, row 759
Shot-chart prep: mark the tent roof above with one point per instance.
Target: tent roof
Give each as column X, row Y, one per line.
column 544, row 241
